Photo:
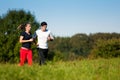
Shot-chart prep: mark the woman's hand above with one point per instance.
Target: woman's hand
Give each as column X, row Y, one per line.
column 37, row 44
column 31, row 40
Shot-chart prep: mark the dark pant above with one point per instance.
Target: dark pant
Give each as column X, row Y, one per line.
column 43, row 53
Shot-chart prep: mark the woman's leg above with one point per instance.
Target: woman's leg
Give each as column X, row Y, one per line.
column 22, row 56
column 29, row 57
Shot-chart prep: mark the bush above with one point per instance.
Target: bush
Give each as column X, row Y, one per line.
column 106, row 48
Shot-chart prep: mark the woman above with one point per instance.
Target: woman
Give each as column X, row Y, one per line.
column 25, row 39
column 43, row 35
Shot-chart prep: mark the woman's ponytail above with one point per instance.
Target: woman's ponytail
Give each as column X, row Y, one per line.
column 22, row 26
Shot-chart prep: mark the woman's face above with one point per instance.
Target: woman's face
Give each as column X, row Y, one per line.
column 44, row 27
column 28, row 27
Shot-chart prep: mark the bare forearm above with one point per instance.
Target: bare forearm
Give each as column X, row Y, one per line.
column 23, row 41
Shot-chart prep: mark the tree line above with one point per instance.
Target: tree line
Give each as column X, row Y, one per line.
column 79, row 46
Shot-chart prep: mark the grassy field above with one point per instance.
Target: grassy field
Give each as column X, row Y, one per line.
column 99, row 69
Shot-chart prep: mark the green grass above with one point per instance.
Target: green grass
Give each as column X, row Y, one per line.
column 99, row 69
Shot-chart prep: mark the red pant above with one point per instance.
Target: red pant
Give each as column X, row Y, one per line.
column 25, row 54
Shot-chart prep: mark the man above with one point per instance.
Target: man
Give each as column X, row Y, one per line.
column 43, row 35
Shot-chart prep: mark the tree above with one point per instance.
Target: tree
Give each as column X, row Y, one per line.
column 9, row 35
column 106, row 48
column 80, row 44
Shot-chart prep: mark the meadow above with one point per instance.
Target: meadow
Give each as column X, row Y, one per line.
column 97, row 69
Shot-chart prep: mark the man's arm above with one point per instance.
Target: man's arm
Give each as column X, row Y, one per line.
column 34, row 36
column 50, row 37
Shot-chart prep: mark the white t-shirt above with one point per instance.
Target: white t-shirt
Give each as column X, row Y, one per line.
column 43, row 38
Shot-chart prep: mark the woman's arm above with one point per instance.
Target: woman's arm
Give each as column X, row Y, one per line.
column 23, row 41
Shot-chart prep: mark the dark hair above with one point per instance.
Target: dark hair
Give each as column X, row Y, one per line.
column 43, row 23
column 22, row 26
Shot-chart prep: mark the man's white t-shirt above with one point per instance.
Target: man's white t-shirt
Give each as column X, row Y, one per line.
column 43, row 38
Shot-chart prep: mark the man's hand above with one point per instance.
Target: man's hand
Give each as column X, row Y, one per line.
column 50, row 39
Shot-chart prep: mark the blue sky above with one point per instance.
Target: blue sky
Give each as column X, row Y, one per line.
column 68, row 17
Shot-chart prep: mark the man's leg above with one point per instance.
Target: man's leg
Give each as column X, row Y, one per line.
column 41, row 56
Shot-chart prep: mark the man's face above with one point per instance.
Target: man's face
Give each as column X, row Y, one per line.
column 44, row 27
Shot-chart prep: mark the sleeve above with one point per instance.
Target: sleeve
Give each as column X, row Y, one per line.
column 22, row 34
column 34, row 35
